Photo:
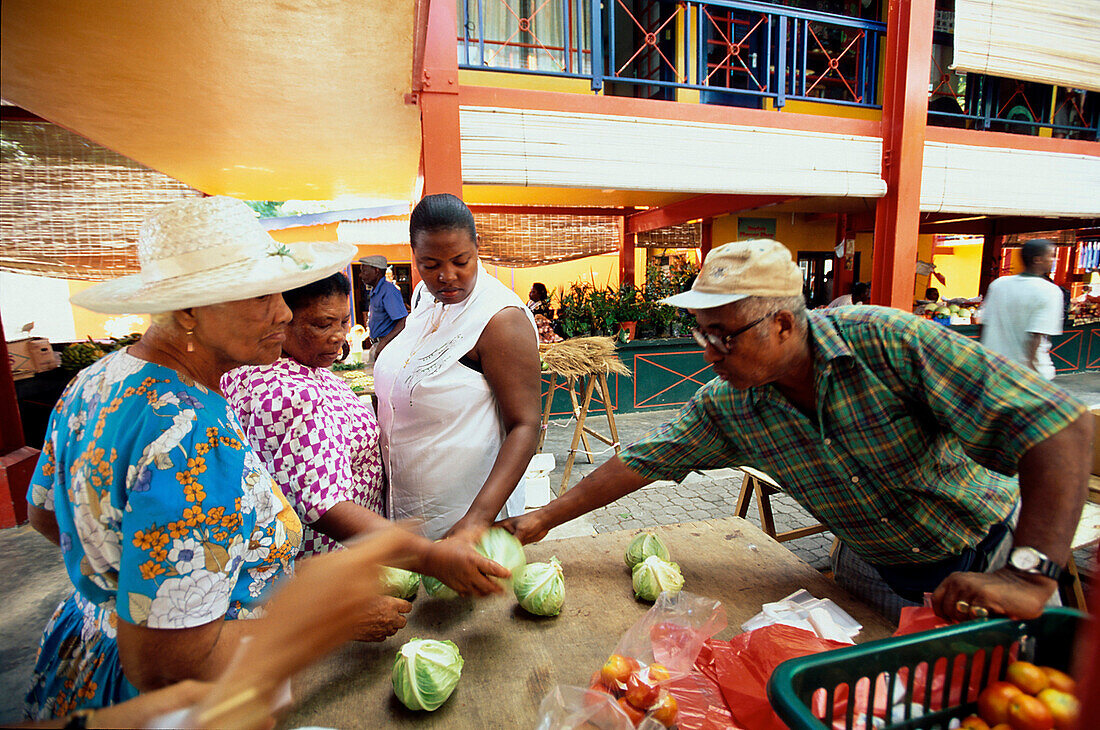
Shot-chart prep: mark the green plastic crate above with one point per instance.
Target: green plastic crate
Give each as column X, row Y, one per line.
column 987, row 646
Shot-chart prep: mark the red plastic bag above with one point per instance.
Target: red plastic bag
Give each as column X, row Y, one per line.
column 741, row 668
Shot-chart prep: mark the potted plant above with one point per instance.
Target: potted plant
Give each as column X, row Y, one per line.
column 629, row 309
column 575, row 312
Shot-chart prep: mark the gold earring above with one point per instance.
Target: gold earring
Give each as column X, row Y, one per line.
column 190, row 342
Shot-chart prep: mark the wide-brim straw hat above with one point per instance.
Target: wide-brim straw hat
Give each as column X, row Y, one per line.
column 757, row 268
column 203, row 251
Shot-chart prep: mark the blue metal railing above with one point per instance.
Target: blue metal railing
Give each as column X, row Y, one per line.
column 734, row 49
column 739, row 52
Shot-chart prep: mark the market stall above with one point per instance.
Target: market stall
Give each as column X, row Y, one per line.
column 512, row 659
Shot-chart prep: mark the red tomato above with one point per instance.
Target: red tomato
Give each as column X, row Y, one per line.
column 993, row 701
column 973, row 722
column 1063, row 706
column 635, row 715
column 617, row 668
column 1027, row 677
column 640, row 693
column 597, row 683
column 1028, row 713
column 665, row 711
column 657, row 673
column 1060, row 680
column 1001, row 726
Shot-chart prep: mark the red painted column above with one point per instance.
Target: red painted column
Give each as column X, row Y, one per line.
column 991, row 259
column 707, row 238
column 17, row 460
column 627, row 275
column 437, row 85
column 904, row 116
column 842, row 275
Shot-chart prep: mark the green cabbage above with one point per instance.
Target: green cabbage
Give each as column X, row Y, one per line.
column 502, row 546
column 437, row 588
column 644, row 545
column 398, row 583
column 540, row 588
column 653, row 575
column 426, row 673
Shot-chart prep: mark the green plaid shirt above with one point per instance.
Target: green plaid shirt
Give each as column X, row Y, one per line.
column 915, row 448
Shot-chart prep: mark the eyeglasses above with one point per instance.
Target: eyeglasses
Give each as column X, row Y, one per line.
column 722, row 344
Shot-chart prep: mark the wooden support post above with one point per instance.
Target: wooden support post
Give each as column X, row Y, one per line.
column 17, row 460
column 581, row 431
column 904, row 118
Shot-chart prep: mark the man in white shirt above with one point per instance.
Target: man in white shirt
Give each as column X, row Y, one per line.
column 1021, row 313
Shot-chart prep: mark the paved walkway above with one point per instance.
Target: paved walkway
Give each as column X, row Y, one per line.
column 33, row 580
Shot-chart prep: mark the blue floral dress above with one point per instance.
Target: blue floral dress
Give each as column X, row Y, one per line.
column 167, row 520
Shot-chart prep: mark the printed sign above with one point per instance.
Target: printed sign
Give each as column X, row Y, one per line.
column 755, row 228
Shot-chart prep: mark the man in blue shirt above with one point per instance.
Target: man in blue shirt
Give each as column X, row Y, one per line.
column 386, row 314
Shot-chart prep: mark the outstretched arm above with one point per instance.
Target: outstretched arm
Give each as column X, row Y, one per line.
column 613, row 479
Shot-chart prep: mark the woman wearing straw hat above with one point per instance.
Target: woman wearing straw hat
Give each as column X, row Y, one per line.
column 168, row 524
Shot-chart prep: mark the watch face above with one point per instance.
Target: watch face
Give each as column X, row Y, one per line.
column 1024, row 558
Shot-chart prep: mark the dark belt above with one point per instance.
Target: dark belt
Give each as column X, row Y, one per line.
column 911, row 581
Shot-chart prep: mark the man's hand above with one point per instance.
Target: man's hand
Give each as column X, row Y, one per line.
column 527, row 528
column 1003, row 592
column 455, row 562
column 381, row 617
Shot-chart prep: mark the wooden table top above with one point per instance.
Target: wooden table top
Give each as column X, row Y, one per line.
column 513, row 659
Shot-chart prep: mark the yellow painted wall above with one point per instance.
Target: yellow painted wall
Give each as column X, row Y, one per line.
column 962, row 269
column 88, row 323
column 793, row 231
column 600, row 270
column 924, row 253
column 798, row 106
column 529, row 82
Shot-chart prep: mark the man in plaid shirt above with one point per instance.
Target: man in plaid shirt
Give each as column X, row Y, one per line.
column 941, row 466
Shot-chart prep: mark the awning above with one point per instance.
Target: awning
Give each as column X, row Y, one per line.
column 1049, row 41
column 249, row 98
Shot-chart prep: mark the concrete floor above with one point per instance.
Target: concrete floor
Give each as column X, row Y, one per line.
column 33, row 579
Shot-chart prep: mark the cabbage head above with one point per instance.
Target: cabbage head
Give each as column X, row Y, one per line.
column 653, row 575
column 437, row 588
column 644, row 545
column 426, row 673
column 398, row 583
column 540, row 588
column 502, row 546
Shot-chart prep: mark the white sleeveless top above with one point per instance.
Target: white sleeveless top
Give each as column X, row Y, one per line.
column 441, row 428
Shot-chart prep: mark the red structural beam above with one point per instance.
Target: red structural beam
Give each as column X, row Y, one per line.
column 546, row 210
column 662, row 110
column 701, row 206
column 904, row 116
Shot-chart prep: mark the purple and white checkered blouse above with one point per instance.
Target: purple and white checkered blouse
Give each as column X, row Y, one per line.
column 318, row 439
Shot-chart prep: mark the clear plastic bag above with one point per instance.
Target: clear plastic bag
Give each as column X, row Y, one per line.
column 673, row 631
column 658, row 686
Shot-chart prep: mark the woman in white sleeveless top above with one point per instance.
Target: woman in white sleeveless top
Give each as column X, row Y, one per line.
column 458, row 388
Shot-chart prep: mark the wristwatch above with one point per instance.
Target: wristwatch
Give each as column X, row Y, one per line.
column 1029, row 560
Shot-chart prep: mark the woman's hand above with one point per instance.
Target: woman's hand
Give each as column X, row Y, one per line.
column 381, row 617
column 455, row 562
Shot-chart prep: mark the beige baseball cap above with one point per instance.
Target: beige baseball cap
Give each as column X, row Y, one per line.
column 757, row 268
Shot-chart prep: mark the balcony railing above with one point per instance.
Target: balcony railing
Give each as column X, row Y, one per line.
column 725, row 49
column 741, row 52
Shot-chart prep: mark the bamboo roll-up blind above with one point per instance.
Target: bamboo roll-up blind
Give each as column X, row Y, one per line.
column 70, row 208
column 1049, row 41
column 524, row 240
column 685, row 235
